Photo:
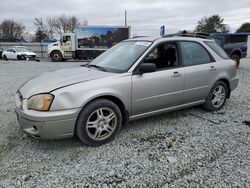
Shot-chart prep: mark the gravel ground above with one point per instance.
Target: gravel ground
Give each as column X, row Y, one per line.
column 187, row 148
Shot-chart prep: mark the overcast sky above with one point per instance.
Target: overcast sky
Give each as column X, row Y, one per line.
column 144, row 16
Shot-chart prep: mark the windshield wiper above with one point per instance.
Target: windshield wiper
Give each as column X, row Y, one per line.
column 97, row 66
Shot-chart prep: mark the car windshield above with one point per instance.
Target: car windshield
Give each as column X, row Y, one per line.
column 121, row 56
column 21, row 49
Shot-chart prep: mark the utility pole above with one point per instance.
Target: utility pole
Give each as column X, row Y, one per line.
column 125, row 17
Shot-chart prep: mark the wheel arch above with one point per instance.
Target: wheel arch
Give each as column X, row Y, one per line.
column 228, row 86
column 56, row 50
column 114, row 99
column 236, row 51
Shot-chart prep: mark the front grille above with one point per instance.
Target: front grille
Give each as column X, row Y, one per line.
column 30, row 56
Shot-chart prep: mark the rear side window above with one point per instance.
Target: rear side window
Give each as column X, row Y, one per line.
column 194, row 54
column 233, row 39
column 217, row 49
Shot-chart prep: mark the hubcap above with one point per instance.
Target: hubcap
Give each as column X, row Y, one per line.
column 101, row 124
column 219, row 96
column 56, row 56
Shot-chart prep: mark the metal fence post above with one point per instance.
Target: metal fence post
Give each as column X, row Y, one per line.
column 42, row 49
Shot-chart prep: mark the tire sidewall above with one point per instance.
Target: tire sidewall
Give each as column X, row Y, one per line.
column 81, row 131
column 5, row 57
column 59, row 54
column 208, row 104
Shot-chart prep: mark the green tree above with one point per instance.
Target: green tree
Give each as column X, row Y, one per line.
column 40, row 35
column 212, row 24
column 245, row 27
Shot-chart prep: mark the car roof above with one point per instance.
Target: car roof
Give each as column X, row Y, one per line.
column 167, row 38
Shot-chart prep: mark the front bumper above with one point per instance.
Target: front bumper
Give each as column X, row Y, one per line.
column 46, row 125
column 27, row 57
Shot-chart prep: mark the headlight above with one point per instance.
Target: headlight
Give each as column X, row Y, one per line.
column 41, row 102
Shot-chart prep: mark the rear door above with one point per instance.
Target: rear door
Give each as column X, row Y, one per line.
column 199, row 69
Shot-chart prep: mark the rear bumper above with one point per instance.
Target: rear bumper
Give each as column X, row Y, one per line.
column 234, row 83
column 50, row 125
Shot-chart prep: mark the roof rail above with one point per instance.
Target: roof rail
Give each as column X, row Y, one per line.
column 138, row 37
column 198, row 35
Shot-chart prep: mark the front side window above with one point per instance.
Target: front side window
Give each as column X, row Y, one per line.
column 121, row 57
column 66, row 38
column 163, row 56
column 194, row 53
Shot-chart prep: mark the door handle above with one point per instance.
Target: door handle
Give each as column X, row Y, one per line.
column 212, row 68
column 176, row 74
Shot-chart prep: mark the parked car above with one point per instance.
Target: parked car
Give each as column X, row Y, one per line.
column 136, row 78
column 19, row 53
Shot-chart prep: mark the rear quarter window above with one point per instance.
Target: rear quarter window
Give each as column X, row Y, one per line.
column 217, row 49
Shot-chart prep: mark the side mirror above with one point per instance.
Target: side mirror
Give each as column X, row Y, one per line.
column 147, row 67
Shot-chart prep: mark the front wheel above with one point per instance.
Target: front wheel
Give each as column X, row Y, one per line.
column 56, row 56
column 98, row 122
column 217, row 97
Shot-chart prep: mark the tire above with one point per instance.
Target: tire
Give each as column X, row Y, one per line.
column 94, row 127
column 5, row 57
column 56, row 56
column 217, row 97
column 20, row 57
column 236, row 58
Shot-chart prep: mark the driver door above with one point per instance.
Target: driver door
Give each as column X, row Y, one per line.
column 160, row 89
column 12, row 54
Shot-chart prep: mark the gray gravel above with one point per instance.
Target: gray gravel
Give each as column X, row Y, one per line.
column 187, row 148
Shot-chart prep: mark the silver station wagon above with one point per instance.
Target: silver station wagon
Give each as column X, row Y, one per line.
column 134, row 79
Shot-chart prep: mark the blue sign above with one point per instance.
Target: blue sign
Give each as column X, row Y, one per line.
column 162, row 30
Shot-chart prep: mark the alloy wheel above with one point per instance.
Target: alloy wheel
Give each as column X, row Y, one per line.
column 219, row 96
column 101, row 124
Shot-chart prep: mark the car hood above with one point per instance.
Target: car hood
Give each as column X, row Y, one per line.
column 50, row 81
column 26, row 53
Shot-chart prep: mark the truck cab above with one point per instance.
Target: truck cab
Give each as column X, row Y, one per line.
column 64, row 49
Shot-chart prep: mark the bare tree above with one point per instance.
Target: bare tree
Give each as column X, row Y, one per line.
column 50, row 27
column 11, row 30
column 63, row 24
column 57, row 25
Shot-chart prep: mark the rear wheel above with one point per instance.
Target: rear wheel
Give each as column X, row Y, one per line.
column 56, row 56
column 217, row 97
column 5, row 57
column 236, row 58
column 98, row 122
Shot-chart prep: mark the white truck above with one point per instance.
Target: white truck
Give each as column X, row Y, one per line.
column 87, row 42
